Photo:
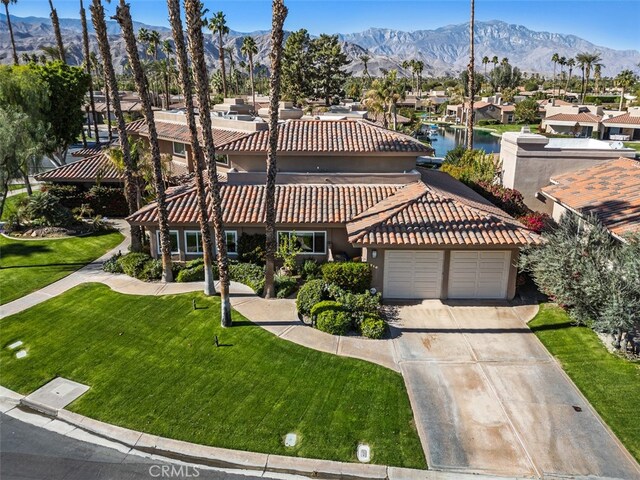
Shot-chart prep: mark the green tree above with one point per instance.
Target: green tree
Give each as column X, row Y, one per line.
column 555, row 58
column 218, row 26
column 383, row 96
column 624, row 80
column 526, row 111
column 297, row 67
column 328, row 60
column 586, row 61
column 249, row 49
column 65, row 113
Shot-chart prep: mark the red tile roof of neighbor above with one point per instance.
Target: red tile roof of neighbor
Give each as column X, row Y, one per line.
column 626, row 119
column 329, row 136
column 437, row 211
column 583, row 117
column 610, row 190
column 295, row 204
column 86, row 170
column 180, row 133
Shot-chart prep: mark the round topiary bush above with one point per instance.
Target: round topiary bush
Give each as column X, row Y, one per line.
column 309, row 294
column 320, row 307
column 335, row 322
column 193, row 274
column 373, row 326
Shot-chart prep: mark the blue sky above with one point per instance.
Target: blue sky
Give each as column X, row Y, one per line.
column 608, row 23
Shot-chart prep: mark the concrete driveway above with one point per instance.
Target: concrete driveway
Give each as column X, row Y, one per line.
column 488, row 397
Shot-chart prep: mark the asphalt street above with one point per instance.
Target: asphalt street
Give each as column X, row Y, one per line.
column 28, row 452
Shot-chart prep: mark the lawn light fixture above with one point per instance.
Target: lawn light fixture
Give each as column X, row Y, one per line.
column 374, row 253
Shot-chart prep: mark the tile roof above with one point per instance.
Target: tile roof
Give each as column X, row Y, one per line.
column 626, row 119
column 329, row 136
column 180, row 133
column 421, row 214
column 91, row 151
column 86, row 170
column 583, row 117
column 610, row 190
column 295, row 204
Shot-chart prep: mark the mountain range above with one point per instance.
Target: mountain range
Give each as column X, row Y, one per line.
column 444, row 50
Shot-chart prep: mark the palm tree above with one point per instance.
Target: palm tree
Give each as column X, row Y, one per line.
column 485, row 62
column 554, row 58
column 570, row 63
column 56, row 29
column 586, row 61
column 597, row 76
column 100, row 27
column 364, row 58
column 196, row 148
column 471, row 78
column 143, row 38
column 249, row 48
column 562, row 61
column 279, row 13
column 123, row 17
column 494, row 61
column 232, row 65
column 218, row 25
column 194, row 11
column 167, row 49
column 13, row 41
column 419, row 68
column 624, row 80
column 87, row 66
column 504, row 61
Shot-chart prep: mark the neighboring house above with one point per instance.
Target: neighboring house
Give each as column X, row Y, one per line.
column 582, row 124
column 501, row 113
column 349, row 188
column 85, row 173
column 610, row 191
column 625, row 126
column 591, row 121
column 530, row 160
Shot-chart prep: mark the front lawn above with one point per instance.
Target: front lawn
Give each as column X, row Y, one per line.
column 28, row 265
column 610, row 383
column 152, row 365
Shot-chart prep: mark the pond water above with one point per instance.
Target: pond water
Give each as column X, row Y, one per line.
column 448, row 138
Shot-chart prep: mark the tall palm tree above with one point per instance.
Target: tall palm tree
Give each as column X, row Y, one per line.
column 554, row 59
column 167, row 49
column 100, row 27
column 485, row 62
column 419, row 68
column 494, row 61
column 586, row 61
column 143, row 38
column 13, row 41
column 154, row 43
column 218, row 26
column 249, row 48
column 233, row 79
column 279, row 13
column 570, row 64
column 87, row 66
column 504, row 61
column 562, row 61
column 196, row 148
column 624, row 80
column 123, row 17
column 56, row 30
column 194, row 12
column 597, row 76
column 471, row 79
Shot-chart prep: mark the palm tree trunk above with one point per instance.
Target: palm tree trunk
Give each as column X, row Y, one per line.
column 13, row 40
column 222, row 69
column 193, row 9
column 471, row 79
column 123, row 17
column 553, row 87
column 107, row 99
column 87, row 59
column 279, row 15
column 56, row 29
column 621, row 98
column 253, row 87
column 196, row 148
column 100, row 27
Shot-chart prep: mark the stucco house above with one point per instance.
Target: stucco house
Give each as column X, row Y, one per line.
column 351, row 188
column 484, row 110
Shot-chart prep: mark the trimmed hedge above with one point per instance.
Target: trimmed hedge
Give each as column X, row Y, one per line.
column 352, row 276
column 324, row 306
column 335, row 322
column 193, row 274
column 372, row 326
column 133, row 264
column 309, row 294
column 249, row 274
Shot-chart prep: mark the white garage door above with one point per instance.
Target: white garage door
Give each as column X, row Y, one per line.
column 412, row 274
column 479, row 274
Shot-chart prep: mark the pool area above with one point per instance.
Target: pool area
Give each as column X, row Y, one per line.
column 448, row 138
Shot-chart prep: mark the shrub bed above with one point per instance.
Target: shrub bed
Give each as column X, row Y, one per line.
column 373, row 326
column 309, row 295
column 351, row 276
column 335, row 322
column 285, row 285
column 107, row 201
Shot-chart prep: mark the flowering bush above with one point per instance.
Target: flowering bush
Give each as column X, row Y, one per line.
column 508, row 199
column 536, row 221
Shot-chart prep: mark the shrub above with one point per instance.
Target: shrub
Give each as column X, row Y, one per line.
column 112, row 265
column 70, row 196
column 485, row 122
column 192, row 274
column 133, row 264
column 536, row 221
column 352, row 276
column 309, row 294
column 107, row 201
column 288, row 250
column 372, row 326
column 251, row 248
column 152, row 270
column 249, row 274
column 46, row 209
column 310, row 270
column 507, row 199
column 358, row 304
column 334, row 322
column 285, row 285
column 324, row 306
column 471, row 167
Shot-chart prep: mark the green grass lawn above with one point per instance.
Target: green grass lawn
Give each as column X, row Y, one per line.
column 28, row 265
column 16, row 186
column 10, row 205
column 610, row 383
column 511, row 127
column 152, row 365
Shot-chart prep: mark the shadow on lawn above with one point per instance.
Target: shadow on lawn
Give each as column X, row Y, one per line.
column 24, row 249
column 70, row 264
column 553, row 326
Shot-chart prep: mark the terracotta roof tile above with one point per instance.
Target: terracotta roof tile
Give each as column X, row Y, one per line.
column 626, row 119
column 610, row 190
column 88, row 169
column 583, row 117
column 180, row 133
column 329, row 136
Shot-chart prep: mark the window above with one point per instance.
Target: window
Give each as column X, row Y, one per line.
column 179, row 149
column 232, row 241
column 192, row 242
column 222, row 159
column 173, row 236
column 309, row 242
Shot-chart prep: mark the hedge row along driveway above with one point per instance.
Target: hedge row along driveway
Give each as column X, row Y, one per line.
column 152, row 366
column 28, row 265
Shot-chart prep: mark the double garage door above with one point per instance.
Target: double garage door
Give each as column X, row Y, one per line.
column 415, row 274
